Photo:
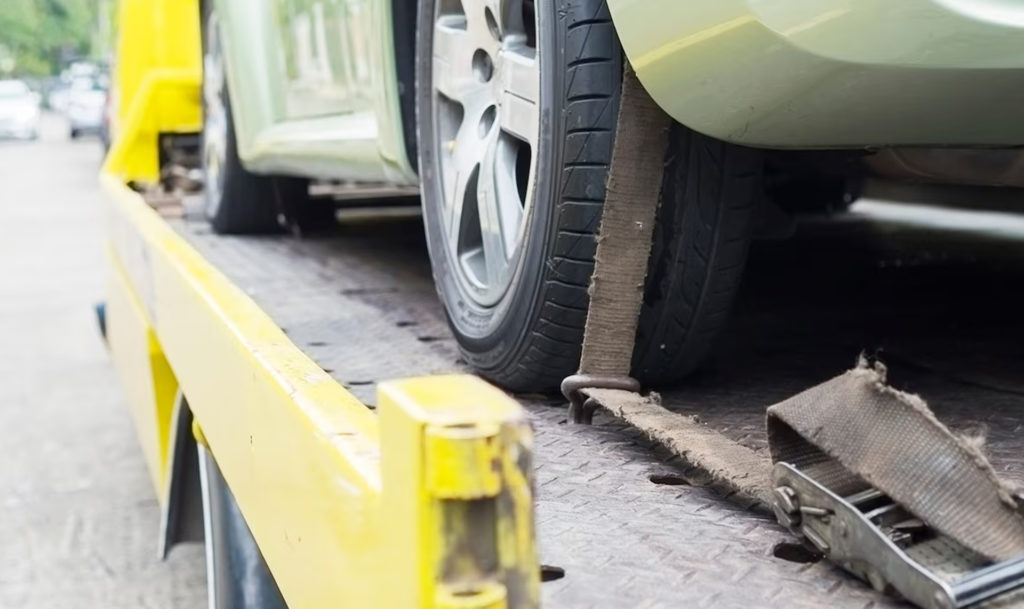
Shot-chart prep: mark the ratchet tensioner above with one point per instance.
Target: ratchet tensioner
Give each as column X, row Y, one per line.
column 877, row 540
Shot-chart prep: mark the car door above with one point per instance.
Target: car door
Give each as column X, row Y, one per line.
column 326, row 56
column 314, row 88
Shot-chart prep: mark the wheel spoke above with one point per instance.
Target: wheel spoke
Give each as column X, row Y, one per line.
column 491, row 235
column 456, row 199
column 463, row 153
column 501, row 212
column 453, row 54
column 510, row 207
column 520, row 109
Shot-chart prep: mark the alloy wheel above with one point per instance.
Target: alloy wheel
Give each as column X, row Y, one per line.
column 215, row 119
column 486, row 87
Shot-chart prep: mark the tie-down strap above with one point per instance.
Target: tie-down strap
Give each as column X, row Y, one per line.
column 627, row 226
column 856, row 429
column 632, row 196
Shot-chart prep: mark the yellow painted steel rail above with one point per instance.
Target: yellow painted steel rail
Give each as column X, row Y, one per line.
column 428, row 504
column 348, row 509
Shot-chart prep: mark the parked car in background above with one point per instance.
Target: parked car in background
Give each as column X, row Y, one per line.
column 505, row 113
column 58, row 94
column 57, row 98
column 87, row 103
column 19, row 110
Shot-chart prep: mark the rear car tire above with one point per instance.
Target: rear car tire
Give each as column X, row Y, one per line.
column 710, row 194
column 301, row 214
column 237, row 576
column 235, row 200
column 525, row 332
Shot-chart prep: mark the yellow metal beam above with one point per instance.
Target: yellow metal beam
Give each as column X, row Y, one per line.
column 144, row 372
column 300, row 453
column 158, row 82
column 134, row 154
column 467, row 506
column 431, row 506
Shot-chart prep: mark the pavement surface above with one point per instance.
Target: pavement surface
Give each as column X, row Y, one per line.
column 78, row 514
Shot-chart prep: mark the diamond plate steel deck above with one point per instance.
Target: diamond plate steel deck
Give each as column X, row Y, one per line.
column 937, row 306
column 361, row 302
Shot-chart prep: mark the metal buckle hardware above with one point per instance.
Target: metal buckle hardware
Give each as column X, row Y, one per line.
column 873, row 538
column 581, row 408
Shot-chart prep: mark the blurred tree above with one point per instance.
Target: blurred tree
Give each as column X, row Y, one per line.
column 41, row 35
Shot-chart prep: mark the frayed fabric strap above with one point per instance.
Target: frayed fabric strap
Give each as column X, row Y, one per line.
column 858, row 429
column 627, row 226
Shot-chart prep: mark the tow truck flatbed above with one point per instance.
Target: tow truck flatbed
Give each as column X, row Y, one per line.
column 271, row 362
column 612, row 510
column 361, row 303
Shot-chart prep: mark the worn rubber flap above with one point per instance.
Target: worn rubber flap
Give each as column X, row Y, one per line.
column 892, row 441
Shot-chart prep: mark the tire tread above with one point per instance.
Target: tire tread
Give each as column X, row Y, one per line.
column 593, row 63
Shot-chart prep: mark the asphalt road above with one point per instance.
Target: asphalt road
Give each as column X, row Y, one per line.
column 78, row 516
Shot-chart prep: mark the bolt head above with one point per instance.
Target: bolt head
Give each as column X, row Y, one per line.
column 785, row 499
column 786, row 506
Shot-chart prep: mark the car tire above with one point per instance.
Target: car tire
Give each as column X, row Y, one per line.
column 710, row 194
column 236, row 201
column 529, row 338
column 237, row 576
column 303, row 215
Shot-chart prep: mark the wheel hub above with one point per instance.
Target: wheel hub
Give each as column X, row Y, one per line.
column 486, row 113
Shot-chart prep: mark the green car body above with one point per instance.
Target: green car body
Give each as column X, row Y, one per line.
column 833, row 73
column 317, row 90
